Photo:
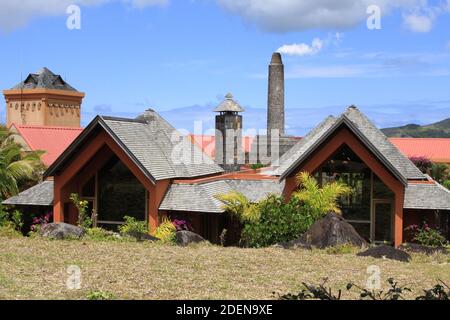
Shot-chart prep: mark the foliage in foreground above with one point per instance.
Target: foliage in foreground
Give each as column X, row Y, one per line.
column 133, row 226
column 84, row 220
column 272, row 220
column 18, row 169
column 166, row 231
column 427, row 235
column 441, row 291
column 8, row 230
column 319, row 200
column 100, row 295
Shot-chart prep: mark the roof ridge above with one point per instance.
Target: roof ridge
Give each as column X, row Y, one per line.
column 113, row 118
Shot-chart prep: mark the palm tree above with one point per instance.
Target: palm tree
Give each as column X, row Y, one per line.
column 320, row 200
column 16, row 166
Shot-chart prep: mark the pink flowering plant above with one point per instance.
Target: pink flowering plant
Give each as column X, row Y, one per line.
column 427, row 235
column 423, row 163
column 40, row 222
column 181, row 225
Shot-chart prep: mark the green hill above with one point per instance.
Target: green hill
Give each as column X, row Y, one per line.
column 439, row 129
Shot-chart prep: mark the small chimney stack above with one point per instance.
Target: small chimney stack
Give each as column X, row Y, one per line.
column 229, row 134
column 275, row 108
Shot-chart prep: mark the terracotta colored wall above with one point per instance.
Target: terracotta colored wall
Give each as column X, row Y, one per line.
column 89, row 160
column 43, row 107
column 329, row 148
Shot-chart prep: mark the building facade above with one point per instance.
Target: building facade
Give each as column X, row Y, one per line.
column 43, row 99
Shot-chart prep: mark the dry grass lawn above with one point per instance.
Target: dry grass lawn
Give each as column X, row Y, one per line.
column 37, row 269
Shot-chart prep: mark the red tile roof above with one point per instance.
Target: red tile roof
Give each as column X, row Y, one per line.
column 208, row 143
column 53, row 140
column 436, row 149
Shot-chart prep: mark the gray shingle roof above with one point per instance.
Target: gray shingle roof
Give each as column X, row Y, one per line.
column 160, row 148
column 195, row 197
column 202, row 197
column 408, row 169
column 375, row 139
column 291, row 156
column 38, row 195
column 229, row 104
column 427, row 196
column 45, row 79
column 256, row 190
column 157, row 148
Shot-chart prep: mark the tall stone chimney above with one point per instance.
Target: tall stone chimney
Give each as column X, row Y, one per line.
column 275, row 108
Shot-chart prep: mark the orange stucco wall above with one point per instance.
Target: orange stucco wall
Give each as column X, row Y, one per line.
column 90, row 159
column 43, row 107
column 339, row 138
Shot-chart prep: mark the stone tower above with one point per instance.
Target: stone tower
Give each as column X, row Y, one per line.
column 229, row 153
column 275, row 104
column 43, row 99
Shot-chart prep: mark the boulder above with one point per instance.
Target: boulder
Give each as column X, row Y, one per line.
column 184, row 238
column 330, row 231
column 61, row 231
column 386, row 252
column 418, row 248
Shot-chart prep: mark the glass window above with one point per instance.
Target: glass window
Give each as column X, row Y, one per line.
column 380, row 190
column 88, row 189
column 346, row 167
column 120, row 193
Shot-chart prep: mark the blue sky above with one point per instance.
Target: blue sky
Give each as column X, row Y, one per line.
column 182, row 57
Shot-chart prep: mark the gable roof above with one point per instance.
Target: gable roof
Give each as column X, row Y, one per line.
column 52, row 140
column 44, row 79
column 152, row 144
column 38, row 195
column 436, row 149
column 398, row 164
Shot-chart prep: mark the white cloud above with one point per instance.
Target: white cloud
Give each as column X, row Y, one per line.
column 418, row 23
column 14, row 14
column 297, row 15
column 302, row 49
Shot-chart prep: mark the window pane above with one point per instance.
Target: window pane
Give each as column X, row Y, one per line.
column 383, row 216
column 120, row 193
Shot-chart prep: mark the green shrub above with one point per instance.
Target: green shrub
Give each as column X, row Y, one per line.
column 427, row 236
column 237, row 204
column 99, row 234
column 84, row 220
column 278, row 222
column 272, row 220
column 319, row 201
column 166, row 231
column 447, row 184
column 8, row 230
column 430, row 237
column 11, row 219
column 133, row 226
column 100, row 295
